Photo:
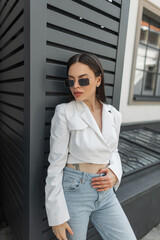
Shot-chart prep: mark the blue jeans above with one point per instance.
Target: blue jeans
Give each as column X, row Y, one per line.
column 103, row 208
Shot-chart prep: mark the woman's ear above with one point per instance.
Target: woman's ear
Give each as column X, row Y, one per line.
column 99, row 80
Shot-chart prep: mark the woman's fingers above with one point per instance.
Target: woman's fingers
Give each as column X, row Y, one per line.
column 60, row 231
column 105, row 182
column 69, row 229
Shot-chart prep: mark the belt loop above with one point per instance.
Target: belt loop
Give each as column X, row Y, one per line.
column 83, row 178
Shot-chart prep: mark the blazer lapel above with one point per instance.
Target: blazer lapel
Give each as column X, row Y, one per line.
column 107, row 120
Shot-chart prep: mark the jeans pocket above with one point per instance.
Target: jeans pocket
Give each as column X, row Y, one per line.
column 70, row 183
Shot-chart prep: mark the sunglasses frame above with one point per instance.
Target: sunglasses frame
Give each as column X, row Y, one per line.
column 80, row 81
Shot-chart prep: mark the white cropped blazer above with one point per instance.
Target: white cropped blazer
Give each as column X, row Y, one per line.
column 76, row 138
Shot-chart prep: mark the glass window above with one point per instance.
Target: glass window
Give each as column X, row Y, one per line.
column 154, row 34
column 158, row 87
column 147, row 72
column 141, row 57
column 151, row 59
column 144, row 29
column 138, row 82
column 149, row 83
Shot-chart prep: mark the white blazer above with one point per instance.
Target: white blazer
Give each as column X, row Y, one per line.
column 76, row 138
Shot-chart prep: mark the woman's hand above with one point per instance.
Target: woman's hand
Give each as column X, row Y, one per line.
column 105, row 182
column 60, row 231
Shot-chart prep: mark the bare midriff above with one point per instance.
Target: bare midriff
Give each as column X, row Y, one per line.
column 87, row 167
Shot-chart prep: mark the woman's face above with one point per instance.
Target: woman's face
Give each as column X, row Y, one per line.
column 79, row 70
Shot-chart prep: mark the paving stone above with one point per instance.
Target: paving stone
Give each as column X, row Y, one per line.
column 154, row 234
column 158, row 228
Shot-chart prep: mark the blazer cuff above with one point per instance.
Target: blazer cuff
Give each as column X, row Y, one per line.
column 116, row 167
column 57, row 214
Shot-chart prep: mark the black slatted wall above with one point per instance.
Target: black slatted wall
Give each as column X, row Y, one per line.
column 36, row 40
column 12, row 112
column 72, row 27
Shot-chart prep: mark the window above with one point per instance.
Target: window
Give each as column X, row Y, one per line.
column 146, row 64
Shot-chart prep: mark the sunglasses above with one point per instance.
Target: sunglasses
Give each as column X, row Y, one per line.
column 81, row 81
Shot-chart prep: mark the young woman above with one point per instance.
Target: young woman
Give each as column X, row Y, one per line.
column 85, row 167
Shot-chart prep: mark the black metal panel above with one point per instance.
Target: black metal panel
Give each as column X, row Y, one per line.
column 139, row 195
column 36, row 40
column 11, row 113
column 72, row 27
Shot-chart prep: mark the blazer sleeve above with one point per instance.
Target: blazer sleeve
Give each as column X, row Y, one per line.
column 115, row 161
column 55, row 203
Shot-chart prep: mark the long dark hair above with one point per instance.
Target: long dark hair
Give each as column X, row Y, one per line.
column 94, row 64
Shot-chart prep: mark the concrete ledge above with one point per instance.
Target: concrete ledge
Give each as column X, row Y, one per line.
column 139, row 195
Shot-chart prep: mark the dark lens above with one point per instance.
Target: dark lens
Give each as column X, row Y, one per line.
column 83, row 81
column 69, row 83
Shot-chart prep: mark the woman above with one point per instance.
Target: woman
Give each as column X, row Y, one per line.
column 85, row 167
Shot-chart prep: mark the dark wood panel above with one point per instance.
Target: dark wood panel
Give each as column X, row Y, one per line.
column 48, row 116
column 118, row 1
column 12, row 165
column 17, row 9
column 53, row 100
column 12, row 87
column 47, row 145
column 56, row 70
column 87, row 14
column 109, row 78
column 104, row 6
column 12, row 60
column 47, row 234
column 12, row 111
column 6, row 10
column 12, row 31
column 2, row 2
column 63, row 55
column 81, row 27
column 12, row 99
column 17, row 72
column 11, row 208
column 14, row 44
column 14, row 150
column 14, row 185
column 17, row 140
column 108, row 91
column 56, row 86
column 109, row 100
column 13, row 124
column 17, row 202
column 77, row 42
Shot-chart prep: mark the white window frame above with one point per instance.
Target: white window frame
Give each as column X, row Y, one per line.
column 154, row 12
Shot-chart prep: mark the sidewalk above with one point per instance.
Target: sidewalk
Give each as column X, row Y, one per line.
column 154, row 234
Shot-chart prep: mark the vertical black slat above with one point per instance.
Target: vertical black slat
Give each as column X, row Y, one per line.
column 11, row 128
column 34, row 115
column 120, row 52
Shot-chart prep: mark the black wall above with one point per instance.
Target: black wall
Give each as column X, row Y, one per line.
column 12, row 112
column 37, row 38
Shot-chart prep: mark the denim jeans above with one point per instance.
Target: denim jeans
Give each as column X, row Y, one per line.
column 85, row 203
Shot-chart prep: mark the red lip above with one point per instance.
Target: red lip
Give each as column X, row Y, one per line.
column 77, row 92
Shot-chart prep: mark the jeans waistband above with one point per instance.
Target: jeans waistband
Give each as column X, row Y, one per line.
column 81, row 174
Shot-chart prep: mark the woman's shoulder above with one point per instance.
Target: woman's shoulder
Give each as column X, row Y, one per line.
column 65, row 106
column 65, row 109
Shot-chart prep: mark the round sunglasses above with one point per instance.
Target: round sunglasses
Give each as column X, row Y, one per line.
column 82, row 82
